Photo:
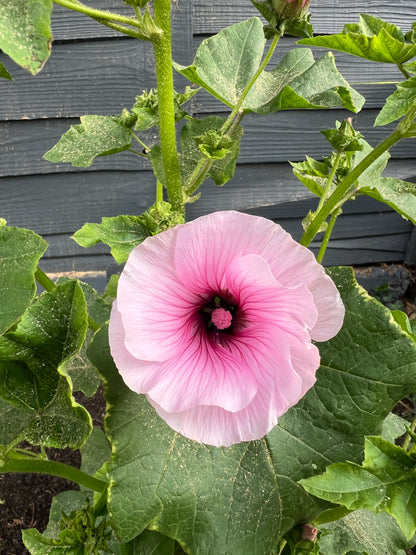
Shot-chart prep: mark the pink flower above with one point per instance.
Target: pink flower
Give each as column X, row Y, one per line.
column 213, row 322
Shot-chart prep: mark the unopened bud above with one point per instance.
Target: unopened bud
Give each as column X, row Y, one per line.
column 291, row 9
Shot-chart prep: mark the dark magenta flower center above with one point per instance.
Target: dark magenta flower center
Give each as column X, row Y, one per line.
column 219, row 315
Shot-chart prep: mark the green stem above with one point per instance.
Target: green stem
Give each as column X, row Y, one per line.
column 98, row 14
column 55, row 469
column 164, row 75
column 44, row 280
column 250, row 84
column 405, row 73
column 327, row 236
column 327, row 189
column 159, row 191
column 345, row 185
column 120, row 28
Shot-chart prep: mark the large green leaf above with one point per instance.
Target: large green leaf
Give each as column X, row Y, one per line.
column 94, row 136
column 83, row 374
column 32, row 368
column 399, row 103
column 242, row 499
column 384, row 482
column 225, row 64
column 363, row 532
column 371, row 38
column 25, row 32
column 400, row 195
column 20, row 251
column 300, row 82
column 121, row 233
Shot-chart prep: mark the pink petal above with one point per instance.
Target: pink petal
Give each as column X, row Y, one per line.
column 206, row 246
column 137, row 374
column 262, row 298
column 155, row 307
column 293, row 265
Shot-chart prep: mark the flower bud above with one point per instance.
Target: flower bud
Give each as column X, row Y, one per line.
column 291, row 9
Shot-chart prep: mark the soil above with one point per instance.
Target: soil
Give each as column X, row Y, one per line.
column 25, row 498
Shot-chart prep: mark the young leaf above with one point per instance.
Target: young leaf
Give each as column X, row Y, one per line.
column 32, row 361
column 384, row 482
column 399, row 103
column 363, row 531
column 95, row 136
column 372, row 39
column 20, row 252
column 121, row 233
column 247, row 496
column 25, row 32
column 146, row 107
column 4, row 73
column 203, row 138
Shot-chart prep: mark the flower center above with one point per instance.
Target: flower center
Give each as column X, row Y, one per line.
column 219, row 315
column 221, row 318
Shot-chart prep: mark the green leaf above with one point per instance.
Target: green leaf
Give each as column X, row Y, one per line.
column 95, row 136
column 225, row 64
column 20, row 252
column 32, row 368
column 121, row 233
column 300, row 82
column 25, row 32
column 399, row 103
column 95, row 452
column 372, row 39
column 403, row 320
column 244, row 498
column 149, row 542
column 222, row 168
column 400, row 195
column 394, row 426
column 384, row 482
column 83, row 374
column 4, row 73
column 363, row 531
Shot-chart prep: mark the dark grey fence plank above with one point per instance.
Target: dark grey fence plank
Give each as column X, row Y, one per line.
column 99, row 77
column 51, row 205
column 103, row 77
column 328, row 16
column 283, row 136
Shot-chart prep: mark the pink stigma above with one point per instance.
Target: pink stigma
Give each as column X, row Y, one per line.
column 221, row 318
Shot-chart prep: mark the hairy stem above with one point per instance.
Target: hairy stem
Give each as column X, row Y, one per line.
column 54, row 468
column 164, row 74
column 345, row 185
column 44, row 280
column 327, row 236
column 248, row 87
column 98, row 14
